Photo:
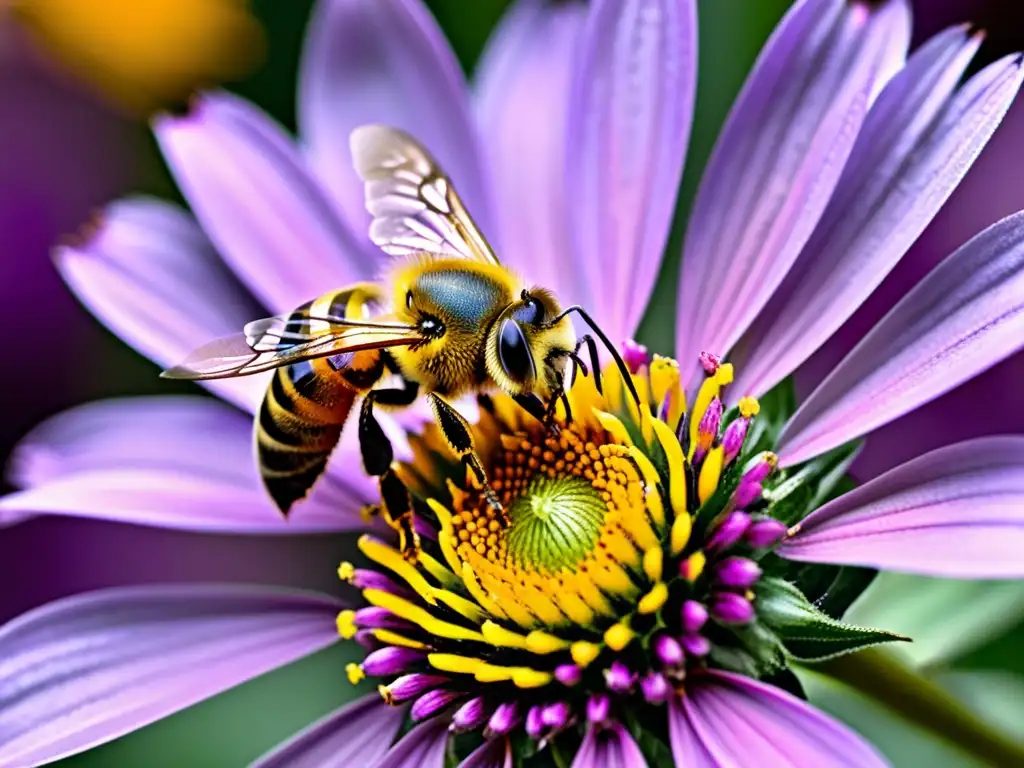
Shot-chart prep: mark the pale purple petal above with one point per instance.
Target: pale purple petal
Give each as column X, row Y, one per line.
column 957, row 511
column 917, row 143
column 422, row 747
column 169, row 462
column 628, row 127
column 522, row 97
column 777, row 162
column 151, row 276
column 609, row 746
column 251, row 190
column 495, row 753
column 82, row 671
column 385, row 61
column 687, row 748
column 740, row 721
column 358, row 734
column 964, row 317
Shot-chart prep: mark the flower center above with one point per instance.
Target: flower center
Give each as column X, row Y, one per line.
column 622, row 558
column 555, row 523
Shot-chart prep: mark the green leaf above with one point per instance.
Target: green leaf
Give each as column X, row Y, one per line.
column 800, row 493
column 807, row 633
column 947, row 618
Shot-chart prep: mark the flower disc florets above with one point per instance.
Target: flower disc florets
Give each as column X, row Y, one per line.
column 623, row 559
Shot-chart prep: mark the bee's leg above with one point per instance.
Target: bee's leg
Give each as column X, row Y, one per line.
column 397, row 508
column 456, row 432
column 378, row 454
column 595, row 363
column 533, row 405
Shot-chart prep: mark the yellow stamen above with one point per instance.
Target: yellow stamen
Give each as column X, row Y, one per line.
column 583, row 653
column 448, row 579
column 710, row 388
column 385, row 693
column 749, row 407
column 474, row 589
column 653, row 563
column 523, row 677
column 406, row 610
column 346, row 623
column 355, row 673
column 618, row 636
column 693, row 566
column 653, row 498
column 653, row 600
column 450, row 662
column 676, row 466
column 388, row 637
column 710, row 473
column 543, row 642
column 498, row 635
column 665, row 382
column 346, row 571
column 393, row 560
column 682, row 526
column 613, row 427
column 461, row 605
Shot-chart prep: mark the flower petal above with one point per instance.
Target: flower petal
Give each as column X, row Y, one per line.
column 525, row 70
column 609, row 745
column 173, row 462
column 385, row 61
column 957, row 511
column 964, row 317
column 151, row 276
column 629, row 125
column 740, row 721
column 687, row 748
column 495, row 753
column 777, row 162
column 918, row 142
column 258, row 202
column 357, row 734
column 82, row 671
column 422, row 747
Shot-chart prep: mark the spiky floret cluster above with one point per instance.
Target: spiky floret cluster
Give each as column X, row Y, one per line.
column 622, row 561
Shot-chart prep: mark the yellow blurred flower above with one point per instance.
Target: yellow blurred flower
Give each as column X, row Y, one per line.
column 146, row 54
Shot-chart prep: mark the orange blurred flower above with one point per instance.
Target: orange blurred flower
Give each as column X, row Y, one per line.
column 146, row 54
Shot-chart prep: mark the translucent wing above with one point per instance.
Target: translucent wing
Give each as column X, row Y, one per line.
column 414, row 206
column 287, row 339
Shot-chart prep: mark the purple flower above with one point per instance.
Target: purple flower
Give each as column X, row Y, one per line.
column 835, row 157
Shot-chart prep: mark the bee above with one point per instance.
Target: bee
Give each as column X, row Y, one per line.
column 448, row 320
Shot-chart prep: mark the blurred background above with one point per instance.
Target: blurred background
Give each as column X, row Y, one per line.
column 74, row 135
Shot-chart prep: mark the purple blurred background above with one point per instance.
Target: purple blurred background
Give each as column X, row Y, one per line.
column 63, row 154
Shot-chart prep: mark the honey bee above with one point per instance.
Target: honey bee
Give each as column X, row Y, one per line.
column 448, row 320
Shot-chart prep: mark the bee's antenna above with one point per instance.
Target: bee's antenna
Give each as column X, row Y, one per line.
column 619, row 362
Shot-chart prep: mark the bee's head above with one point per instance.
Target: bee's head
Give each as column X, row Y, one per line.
column 526, row 350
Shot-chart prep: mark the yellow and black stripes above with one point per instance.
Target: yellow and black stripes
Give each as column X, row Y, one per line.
column 307, row 404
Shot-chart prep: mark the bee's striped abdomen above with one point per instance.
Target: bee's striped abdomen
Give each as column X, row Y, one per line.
column 305, row 409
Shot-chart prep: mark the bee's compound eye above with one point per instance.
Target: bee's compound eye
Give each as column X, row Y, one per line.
column 431, row 326
column 408, row 299
column 514, row 353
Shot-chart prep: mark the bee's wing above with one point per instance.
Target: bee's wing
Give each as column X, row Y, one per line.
column 414, row 205
column 287, row 339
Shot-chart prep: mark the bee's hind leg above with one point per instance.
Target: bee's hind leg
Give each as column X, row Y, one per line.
column 456, row 432
column 396, row 504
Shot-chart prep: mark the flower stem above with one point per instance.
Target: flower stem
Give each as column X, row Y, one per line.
column 890, row 681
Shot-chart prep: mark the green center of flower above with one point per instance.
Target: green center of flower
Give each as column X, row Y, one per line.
column 555, row 523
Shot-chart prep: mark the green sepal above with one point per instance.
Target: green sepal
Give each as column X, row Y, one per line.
column 649, row 730
column 799, row 493
column 807, row 633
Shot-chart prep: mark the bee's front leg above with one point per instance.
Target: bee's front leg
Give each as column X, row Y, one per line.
column 456, row 432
